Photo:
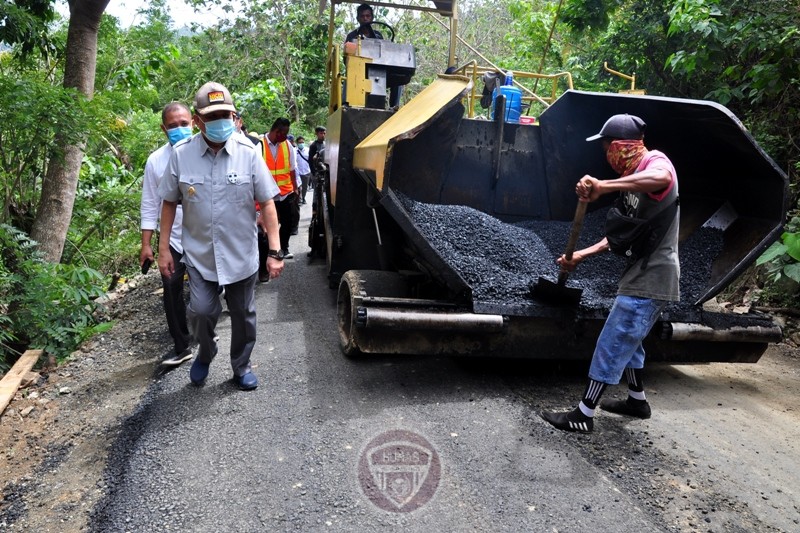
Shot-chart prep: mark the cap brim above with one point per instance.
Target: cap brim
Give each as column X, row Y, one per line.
column 216, row 107
column 594, row 137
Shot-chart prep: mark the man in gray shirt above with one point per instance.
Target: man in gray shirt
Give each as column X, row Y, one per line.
column 648, row 185
column 217, row 177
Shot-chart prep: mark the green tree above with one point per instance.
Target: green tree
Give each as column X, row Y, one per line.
column 54, row 213
column 748, row 62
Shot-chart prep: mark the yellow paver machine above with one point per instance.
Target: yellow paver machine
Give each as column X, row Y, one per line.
column 434, row 222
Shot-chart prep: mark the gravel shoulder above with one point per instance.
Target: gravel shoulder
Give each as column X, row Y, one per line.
column 53, row 457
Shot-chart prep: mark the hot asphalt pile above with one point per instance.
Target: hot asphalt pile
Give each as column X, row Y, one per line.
column 500, row 261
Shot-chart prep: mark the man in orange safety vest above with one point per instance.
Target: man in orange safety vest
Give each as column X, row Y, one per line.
column 280, row 156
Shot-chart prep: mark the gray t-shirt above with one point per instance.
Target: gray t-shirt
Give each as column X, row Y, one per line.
column 218, row 193
column 660, row 279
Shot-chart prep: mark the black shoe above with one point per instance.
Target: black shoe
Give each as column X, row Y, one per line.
column 561, row 421
column 287, row 254
column 629, row 407
column 177, row 359
column 263, row 277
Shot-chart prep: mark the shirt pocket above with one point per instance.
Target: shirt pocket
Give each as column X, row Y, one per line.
column 192, row 188
column 239, row 188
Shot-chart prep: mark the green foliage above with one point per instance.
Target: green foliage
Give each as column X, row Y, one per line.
column 259, row 101
column 586, row 15
column 27, row 139
column 99, row 237
column 780, row 266
column 138, row 136
column 45, row 306
column 748, row 61
column 24, row 23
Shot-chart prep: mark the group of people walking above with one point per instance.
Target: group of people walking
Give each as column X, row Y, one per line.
column 229, row 202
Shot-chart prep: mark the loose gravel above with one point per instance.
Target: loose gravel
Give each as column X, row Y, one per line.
column 500, row 261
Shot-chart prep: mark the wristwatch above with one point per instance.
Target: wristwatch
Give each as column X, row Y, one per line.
column 275, row 254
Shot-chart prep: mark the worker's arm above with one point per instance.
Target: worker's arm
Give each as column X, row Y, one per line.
column 650, row 180
column 165, row 264
column 579, row 255
column 350, row 48
column 269, row 223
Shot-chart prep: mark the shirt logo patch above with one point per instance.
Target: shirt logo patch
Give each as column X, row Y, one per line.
column 233, row 178
column 216, row 96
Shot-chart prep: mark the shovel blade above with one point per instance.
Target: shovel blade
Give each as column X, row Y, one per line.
column 555, row 293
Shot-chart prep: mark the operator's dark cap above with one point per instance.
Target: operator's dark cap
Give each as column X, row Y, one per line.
column 212, row 97
column 319, row 129
column 625, row 127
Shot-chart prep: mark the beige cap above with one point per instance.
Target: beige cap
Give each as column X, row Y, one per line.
column 212, row 97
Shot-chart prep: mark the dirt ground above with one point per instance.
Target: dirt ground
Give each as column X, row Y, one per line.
column 54, row 455
column 55, row 435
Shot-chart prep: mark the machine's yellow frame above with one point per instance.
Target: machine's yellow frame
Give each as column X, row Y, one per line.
column 448, row 9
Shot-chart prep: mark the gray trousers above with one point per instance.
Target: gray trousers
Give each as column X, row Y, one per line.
column 203, row 313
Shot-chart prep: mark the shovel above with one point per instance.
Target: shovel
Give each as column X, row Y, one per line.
column 558, row 293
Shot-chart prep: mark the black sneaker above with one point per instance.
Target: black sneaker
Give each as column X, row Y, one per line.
column 287, row 254
column 174, row 359
column 562, row 421
column 630, row 407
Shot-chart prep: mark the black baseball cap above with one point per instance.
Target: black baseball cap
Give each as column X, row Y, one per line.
column 625, row 127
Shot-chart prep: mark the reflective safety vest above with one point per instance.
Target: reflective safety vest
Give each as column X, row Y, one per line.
column 280, row 169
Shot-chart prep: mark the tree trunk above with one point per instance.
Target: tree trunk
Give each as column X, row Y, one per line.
column 61, row 181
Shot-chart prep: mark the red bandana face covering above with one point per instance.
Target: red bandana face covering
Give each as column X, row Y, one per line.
column 625, row 156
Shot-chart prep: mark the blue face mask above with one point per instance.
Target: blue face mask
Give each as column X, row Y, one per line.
column 301, row 146
column 219, row 131
column 175, row 135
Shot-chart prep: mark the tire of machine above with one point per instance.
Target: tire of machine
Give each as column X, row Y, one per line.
column 358, row 284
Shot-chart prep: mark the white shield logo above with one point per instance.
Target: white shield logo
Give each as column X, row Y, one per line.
column 399, row 471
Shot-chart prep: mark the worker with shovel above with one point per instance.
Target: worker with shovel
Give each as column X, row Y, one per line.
column 648, row 188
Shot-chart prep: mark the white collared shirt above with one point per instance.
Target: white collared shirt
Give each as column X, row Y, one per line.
column 303, row 166
column 150, row 206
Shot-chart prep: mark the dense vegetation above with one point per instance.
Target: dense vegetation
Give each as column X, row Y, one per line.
column 741, row 53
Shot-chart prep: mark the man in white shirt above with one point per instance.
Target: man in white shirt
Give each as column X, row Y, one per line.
column 303, row 168
column 176, row 123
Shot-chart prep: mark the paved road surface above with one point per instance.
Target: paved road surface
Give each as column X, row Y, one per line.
column 719, row 454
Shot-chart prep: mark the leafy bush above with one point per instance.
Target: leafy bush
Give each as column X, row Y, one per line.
column 45, row 306
column 28, row 139
column 780, row 266
column 104, row 233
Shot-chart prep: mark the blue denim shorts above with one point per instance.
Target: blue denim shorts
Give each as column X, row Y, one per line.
column 620, row 343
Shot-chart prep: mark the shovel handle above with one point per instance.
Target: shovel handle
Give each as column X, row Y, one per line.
column 577, row 224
